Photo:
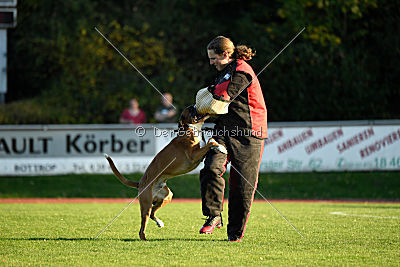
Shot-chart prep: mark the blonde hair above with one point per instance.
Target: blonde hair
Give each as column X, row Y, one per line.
column 221, row 44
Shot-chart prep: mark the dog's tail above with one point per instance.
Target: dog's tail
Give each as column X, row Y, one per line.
column 123, row 180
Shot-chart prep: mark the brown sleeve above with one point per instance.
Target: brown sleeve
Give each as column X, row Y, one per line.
column 240, row 81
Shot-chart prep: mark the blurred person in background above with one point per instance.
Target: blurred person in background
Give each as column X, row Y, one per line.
column 166, row 113
column 133, row 114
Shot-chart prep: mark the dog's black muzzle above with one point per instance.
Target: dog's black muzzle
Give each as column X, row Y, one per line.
column 193, row 112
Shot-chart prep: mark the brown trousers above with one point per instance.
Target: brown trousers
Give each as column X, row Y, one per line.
column 244, row 154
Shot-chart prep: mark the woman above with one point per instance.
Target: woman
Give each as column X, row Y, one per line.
column 133, row 114
column 241, row 131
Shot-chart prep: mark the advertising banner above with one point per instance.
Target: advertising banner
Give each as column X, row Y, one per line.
column 74, row 143
column 290, row 147
column 340, row 148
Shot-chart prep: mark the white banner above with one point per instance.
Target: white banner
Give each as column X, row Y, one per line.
column 75, row 143
column 290, row 147
column 345, row 148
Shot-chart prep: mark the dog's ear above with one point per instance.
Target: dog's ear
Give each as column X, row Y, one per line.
column 192, row 114
column 181, row 128
column 191, row 109
column 181, row 125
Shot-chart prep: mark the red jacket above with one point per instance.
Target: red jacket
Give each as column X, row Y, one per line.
column 136, row 119
column 238, row 83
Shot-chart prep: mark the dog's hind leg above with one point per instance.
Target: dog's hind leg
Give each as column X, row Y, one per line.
column 163, row 197
column 145, row 200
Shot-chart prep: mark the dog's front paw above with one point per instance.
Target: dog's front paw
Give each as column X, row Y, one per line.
column 217, row 147
column 213, row 142
column 221, row 149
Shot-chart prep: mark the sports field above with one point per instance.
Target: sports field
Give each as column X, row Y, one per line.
column 335, row 234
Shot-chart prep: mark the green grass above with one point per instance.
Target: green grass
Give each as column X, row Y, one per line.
column 61, row 234
column 339, row 185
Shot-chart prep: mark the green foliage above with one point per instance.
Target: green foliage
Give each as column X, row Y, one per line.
column 34, row 112
column 102, row 81
column 341, row 67
column 88, row 79
column 328, row 74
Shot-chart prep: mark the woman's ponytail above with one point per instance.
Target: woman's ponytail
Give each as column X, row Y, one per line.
column 243, row 52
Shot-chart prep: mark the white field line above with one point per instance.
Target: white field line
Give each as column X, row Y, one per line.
column 362, row 215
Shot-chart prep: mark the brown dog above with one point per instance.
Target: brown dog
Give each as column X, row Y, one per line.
column 180, row 156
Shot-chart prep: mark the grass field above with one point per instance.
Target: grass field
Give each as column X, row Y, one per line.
column 61, row 234
column 339, row 185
